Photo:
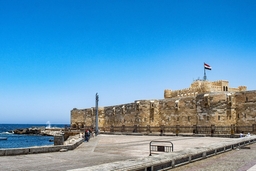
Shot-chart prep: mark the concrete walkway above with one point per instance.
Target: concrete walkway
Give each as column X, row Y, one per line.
column 235, row 160
column 104, row 149
column 252, row 168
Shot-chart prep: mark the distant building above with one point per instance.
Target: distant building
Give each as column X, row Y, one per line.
column 200, row 86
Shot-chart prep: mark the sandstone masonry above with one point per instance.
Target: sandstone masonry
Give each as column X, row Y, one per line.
column 204, row 103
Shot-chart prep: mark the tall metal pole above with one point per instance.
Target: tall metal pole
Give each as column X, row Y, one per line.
column 204, row 74
column 96, row 115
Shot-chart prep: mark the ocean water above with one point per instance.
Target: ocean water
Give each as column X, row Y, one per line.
column 19, row 141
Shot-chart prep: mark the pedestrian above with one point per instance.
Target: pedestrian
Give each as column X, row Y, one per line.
column 87, row 135
column 241, row 134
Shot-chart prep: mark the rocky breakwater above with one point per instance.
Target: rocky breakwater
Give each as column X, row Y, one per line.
column 38, row 131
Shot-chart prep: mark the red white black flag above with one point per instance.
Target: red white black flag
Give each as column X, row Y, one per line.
column 206, row 66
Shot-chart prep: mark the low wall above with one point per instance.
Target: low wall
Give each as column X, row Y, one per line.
column 167, row 161
column 173, row 134
column 42, row 149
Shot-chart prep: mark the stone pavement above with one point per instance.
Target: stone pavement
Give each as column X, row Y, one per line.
column 110, row 148
column 253, row 168
column 235, row 160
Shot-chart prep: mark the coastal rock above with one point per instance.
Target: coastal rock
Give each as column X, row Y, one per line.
column 27, row 131
column 38, row 131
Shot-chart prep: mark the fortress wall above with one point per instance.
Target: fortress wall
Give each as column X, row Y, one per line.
column 212, row 109
column 130, row 113
column 233, row 89
column 177, row 111
column 206, row 109
column 246, row 107
column 200, row 86
column 186, row 112
column 116, row 115
column 167, row 113
column 101, row 116
column 89, row 119
column 242, row 88
column 145, row 112
column 78, row 117
column 141, row 112
column 245, row 96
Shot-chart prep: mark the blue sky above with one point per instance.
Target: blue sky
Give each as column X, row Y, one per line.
column 56, row 54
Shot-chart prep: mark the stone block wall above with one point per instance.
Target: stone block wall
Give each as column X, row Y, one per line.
column 201, row 86
column 205, row 109
column 78, row 117
column 175, row 111
column 246, row 108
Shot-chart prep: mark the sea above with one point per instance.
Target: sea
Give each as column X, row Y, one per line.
column 21, row 141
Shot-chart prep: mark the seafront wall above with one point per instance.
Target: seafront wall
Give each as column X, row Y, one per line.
column 69, row 145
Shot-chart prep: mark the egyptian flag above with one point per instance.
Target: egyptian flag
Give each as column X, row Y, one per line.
column 206, row 66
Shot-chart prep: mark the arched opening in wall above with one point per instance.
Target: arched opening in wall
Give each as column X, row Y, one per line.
column 223, row 88
column 238, row 116
column 246, row 99
column 218, row 117
column 226, row 88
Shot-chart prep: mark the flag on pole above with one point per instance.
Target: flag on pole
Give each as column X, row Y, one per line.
column 206, row 66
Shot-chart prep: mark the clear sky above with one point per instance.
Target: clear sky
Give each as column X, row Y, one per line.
column 56, row 54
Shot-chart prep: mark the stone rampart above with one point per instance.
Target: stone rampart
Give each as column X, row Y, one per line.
column 204, row 103
column 205, row 109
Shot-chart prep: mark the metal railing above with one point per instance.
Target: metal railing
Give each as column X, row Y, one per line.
column 176, row 129
column 156, row 147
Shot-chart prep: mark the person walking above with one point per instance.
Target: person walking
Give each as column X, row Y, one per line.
column 87, row 135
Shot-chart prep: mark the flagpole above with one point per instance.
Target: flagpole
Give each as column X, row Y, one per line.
column 204, row 74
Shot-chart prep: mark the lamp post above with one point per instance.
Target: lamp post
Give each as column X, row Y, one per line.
column 96, row 115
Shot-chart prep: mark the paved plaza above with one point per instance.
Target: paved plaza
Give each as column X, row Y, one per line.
column 235, row 160
column 110, row 148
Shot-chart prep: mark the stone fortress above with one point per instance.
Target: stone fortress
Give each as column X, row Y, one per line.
column 204, row 103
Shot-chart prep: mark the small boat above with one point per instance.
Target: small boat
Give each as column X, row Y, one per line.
column 3, row 138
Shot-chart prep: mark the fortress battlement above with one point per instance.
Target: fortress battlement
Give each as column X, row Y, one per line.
column 203, row 103
column 200, row 86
